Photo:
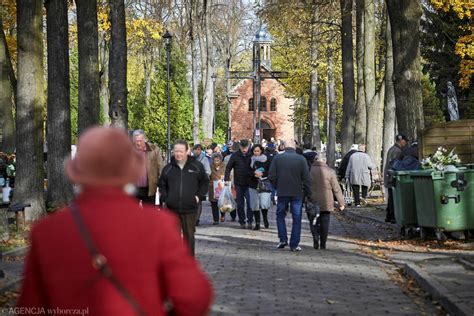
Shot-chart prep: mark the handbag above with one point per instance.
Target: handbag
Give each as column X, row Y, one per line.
column 99, row 261
column 264, row 185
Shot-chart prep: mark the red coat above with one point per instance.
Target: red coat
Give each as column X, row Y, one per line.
column 144, row 250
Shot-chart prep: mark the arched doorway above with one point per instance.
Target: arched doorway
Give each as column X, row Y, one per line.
column 267, row 131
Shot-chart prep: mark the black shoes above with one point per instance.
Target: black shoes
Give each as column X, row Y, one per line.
column 315, row 244
column 265, row 223
column 282, row 245
column 257, row 227
column 242, row 225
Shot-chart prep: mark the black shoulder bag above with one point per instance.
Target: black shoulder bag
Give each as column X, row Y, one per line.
column 99, row 261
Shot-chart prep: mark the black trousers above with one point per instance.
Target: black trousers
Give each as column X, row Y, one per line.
column 142, row 195
column 188, row 227
column 320, row 231
column 390, row 206
column 356, row 191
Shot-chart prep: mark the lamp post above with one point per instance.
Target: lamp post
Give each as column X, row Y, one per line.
column 167, row 36
column 214, row 78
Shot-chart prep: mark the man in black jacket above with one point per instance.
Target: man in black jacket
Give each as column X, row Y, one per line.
column 183, row 185
column 289, row 174
column 240, row 162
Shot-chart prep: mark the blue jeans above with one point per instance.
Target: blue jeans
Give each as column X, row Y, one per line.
column 295, row 208
column 242, row 193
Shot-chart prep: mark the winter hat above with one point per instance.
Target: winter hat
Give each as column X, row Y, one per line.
column 104, row 157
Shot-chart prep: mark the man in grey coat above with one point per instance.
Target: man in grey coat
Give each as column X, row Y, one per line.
column 394, row 153
column 358, row 173
column 290, row 176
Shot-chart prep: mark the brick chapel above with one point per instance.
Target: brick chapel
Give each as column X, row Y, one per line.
column 275, row 105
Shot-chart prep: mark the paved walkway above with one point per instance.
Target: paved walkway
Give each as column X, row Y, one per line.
column 445, row 270
column 252, row 277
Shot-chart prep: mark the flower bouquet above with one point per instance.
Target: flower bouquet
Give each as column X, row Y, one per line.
column 440, row 160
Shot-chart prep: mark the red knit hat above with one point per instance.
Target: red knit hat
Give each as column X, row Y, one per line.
column 104, row 157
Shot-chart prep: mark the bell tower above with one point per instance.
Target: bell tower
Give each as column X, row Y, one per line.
column 262, row 46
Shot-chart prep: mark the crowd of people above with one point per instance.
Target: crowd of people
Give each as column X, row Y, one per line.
column 87, row 238
column 257, row 174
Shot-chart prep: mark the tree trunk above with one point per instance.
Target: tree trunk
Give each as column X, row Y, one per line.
column 314, row 82
column 194, row 70
column 11, row 71
column 373, row 101
column 148, row 71
column 6, row 101
column 369, row 54
column 361, row 110
column 374, row 126
column 348, row 109
column 30, row 109
column 208, row 98
column 405, row 23
column 88, row 111
column 118, row 66
column 104, row 76
column 331, row 148
column 59, row 116
column 389, row 129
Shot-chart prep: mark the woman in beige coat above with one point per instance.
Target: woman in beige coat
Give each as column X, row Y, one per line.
column 324, row 187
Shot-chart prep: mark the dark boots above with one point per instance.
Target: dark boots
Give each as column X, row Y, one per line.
column 265, row 218
column 256, row 215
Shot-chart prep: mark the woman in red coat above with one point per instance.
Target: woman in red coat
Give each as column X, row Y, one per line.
column 140, row 264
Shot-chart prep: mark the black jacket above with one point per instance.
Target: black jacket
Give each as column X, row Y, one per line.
column 341, row 171
column 179, row 187
column 241, row 165
column 253, row 181
column 289, row 174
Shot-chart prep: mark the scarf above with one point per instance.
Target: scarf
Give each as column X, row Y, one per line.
column 262, row 158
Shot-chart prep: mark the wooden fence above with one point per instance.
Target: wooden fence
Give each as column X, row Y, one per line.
column 456, row 134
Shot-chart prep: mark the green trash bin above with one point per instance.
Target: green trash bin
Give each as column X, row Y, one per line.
column 404, row 199
column 445, row 200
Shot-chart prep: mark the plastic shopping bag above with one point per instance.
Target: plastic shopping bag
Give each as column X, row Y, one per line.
column 226, row 202
column 218, row 185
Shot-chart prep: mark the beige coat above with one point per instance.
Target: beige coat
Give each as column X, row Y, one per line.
column 154, row 165
column 324, row 186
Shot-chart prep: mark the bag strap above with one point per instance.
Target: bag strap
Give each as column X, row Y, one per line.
column 99, row 261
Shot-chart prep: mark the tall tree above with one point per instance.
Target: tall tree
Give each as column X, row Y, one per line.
column 29, row 110
column 314, row 80
column 361, row 110
column 331, row 147
column 103, row 34
column 6, row 100
column 191, row 12
column 118, row 65
column 389, row 120
column 348, row 108
column 87, row 33
column 405, row 23
column 208, row 70
column 373, row 98
column 59, row 114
